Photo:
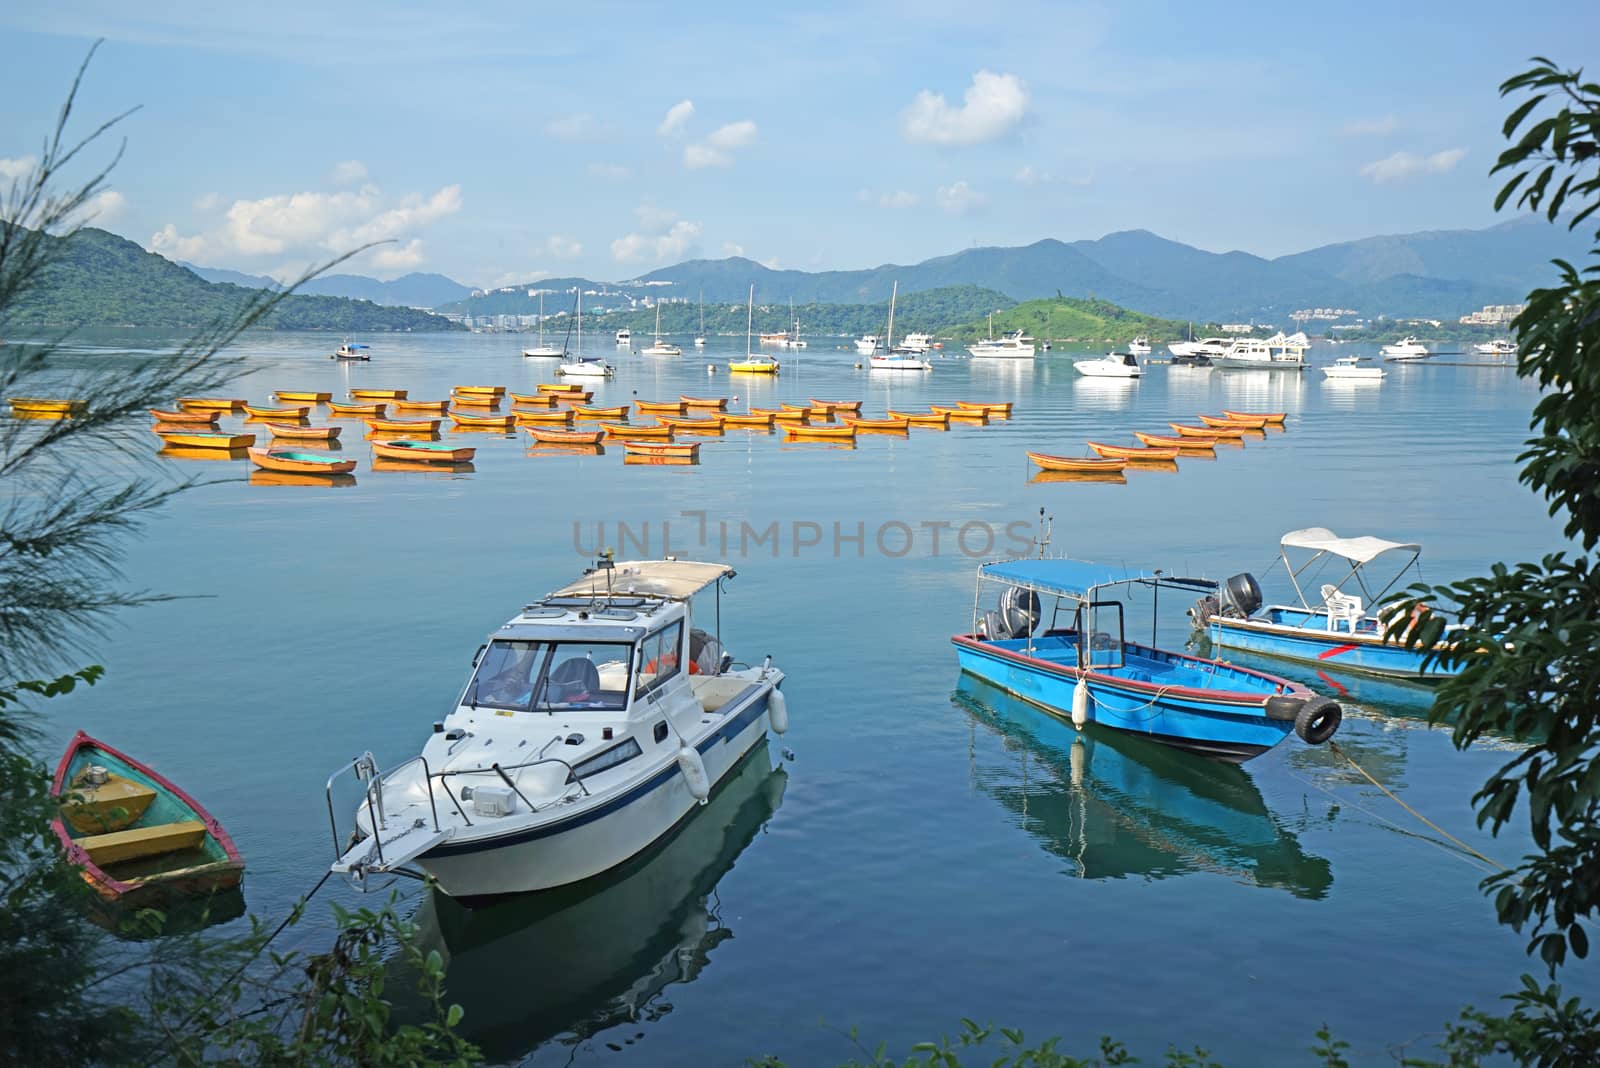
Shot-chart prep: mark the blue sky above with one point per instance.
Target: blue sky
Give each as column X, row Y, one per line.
column 500, row 142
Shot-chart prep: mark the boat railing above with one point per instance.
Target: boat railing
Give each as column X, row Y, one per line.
column 500, row 771
column 365, row 769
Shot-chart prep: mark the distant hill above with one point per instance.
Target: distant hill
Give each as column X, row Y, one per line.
column 105, row 280
column 415, row 290
column 1072, row 319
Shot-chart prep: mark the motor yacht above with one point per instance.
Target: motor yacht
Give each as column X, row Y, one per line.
column 1139, row 346
column 1354, row 368
column 1111, row 365
column 1407, row 349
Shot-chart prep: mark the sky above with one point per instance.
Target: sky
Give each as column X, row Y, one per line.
column 498, row 143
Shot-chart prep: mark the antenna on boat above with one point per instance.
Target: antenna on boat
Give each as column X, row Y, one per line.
column 607, row 562
column 1046, row 525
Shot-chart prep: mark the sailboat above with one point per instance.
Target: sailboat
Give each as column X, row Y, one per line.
column 577, row 364
column 541, row 349
column 660, row 348
column 892, row 360
column 754, row 363
column 700, row 338
column 793, row 341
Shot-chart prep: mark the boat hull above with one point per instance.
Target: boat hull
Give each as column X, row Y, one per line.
column 1314, row 644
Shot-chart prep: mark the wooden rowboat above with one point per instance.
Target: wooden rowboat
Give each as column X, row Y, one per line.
column 486, row 422
column 752, row 418
column 137, row 836
column 688, row 425
column 475, row 400
column 719, row 403
column 300, row 463
column 619, row 412
column 304, row 433
column 963, row 415
column 681, row 450
column 543, row 400
column 562, row 416
column 437, row 407
column 1212, row 432
column 203, row 439
column 1186, row 444
column 1000, row 408
column 625, row 432
column 221, row 404
column 838, row 406
column 560, row 387
column 1213, row 421
column 435, row 452
column 1075, row 463
column 277, row 413
column 302, row 395
column 1135, row 453
column 891, row 424
column 379, row 410
column 186, row 417
column 784, row 415
column 577, row 396
column 406, row 426
column 938, row 419
column 564, row 437
column 674, row 407
column 36, row 407
column 806, row 430
column 379, row 394
column 484, row 391
column 1276, row 418
column 818, row 411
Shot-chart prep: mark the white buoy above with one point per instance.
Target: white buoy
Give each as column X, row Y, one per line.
column 694, row 773
column 1080, row 703
column 778, row 712
column 711, row 368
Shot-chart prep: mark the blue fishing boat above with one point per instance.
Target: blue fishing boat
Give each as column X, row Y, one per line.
column 1336, row 630
column 1083, row 667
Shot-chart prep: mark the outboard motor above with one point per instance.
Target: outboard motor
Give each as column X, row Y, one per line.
column 707, row 654
column 1239, row 596
column 1015, row 616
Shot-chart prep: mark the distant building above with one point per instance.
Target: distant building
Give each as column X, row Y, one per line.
column 1493, row 315
column 1237, row 328
column 1305, row 314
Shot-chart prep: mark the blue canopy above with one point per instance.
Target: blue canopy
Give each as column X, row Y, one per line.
column 1069, row 578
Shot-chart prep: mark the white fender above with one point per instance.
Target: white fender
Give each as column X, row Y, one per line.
column 694, row 773
column 1080, row 703
column 778, row 712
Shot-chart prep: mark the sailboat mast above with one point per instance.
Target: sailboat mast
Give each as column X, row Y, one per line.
column 749, row 318
column 895, row 292
column 580, row 321
column 541, row 318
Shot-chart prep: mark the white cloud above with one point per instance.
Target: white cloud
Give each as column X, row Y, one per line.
column 671, row 244
column 207, row 202
column 732, row 248
column 992, row 105
column 676, row 118
column 696, row 157
column 578, row 127
column 398, row 257
column 175, row 246
column 610, row 172
column 348, row 172
column 900, row 198
column 960, row 198
column 562, row 248
column 512, row 278
column 1379, row 127
column 104, row 207
column 715, row 150
column 12, row 169
column 1404, row 165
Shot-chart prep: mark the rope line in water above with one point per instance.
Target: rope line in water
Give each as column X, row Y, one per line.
column 1420, row 817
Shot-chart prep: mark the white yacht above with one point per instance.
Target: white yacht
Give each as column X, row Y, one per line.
column 1207, row 348
column 659, row 347
column 1408, row 349
column 867, row 344
column 896, row 358
column 541, row 349
column 1015, row 345
column 1498, row 347
column 915, row 343
column 1139, row 346
column 1111, row 365
column 1354, row 368
column 594, row 721
column 624, row 336
column 1260, row 355
column 574, row 362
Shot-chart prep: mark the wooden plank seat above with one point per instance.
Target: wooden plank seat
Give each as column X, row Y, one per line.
column 138, row 842
column 111, row 806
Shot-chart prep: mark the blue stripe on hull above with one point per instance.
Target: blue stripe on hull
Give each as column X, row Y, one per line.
column 1333, row 650
column 1227, row 731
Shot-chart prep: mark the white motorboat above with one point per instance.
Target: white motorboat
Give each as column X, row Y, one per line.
column 1268, row 355
column 915, row 343
column 1498, row 347
column 541, row 349
column 1206, row 349
column 1408, row 349
column 595, row 720
column 347, row 351
column 867, row 344
column 1111, row 365
column 1139, row 346
column 1354, row 368
column 1013, row 346
column 659, row 347
column 624, row 336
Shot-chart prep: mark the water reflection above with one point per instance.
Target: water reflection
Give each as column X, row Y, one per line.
column 575, row 961
column 1115, row 806
column 1104, row 394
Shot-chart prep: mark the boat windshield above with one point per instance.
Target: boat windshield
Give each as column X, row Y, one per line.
column 536, row 676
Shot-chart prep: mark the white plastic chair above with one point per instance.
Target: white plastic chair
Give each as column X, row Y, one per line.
column 1342, row 608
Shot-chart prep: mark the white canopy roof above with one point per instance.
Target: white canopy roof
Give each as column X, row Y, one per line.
column 674, row 579
column 1357, row 550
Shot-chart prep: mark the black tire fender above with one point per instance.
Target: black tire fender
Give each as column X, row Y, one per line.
column 1318, row 720
column 1285, row 706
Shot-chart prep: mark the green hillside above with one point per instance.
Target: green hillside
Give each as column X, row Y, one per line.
column 105, row 280
column 1071, row 319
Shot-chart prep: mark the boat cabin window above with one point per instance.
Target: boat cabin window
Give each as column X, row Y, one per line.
column 535, row 676
column 605, row 760
column 660, row 657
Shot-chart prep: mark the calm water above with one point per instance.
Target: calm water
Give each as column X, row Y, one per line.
column 935, row 850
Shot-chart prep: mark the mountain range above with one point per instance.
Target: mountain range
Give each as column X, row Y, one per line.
column 415, row 290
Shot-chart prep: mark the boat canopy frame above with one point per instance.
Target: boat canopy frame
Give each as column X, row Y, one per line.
column 1323, row 543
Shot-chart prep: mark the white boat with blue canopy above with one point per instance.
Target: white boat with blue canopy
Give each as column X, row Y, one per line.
column 1079, row 664
column 1339, row 627
column 593, row 722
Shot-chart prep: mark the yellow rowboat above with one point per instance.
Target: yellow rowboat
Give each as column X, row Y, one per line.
column 1275, row 418
column 719, row 403
column 542, row 436
column 619, row 412
column 202, row 439
column 1001, row 409
column 483, row 422
column 806, row 430
column 433, row 452
column 961, row 415
column 624, row 432
column 891, row 426
column 838, row 406
column 815, row 411
column 482, row 391
column 683, row 425
column 1212, row 432
column 560, row 387
column 436, row 407
column 475, row 400
column 1213, row 421
column 407, row 426
column 34, row 407
column 662, row 450
column 304, row 433
column 303, row 395
column 1161, row 441
column 938, row 419
column 675, row 407
column 784, row 415
column 758, row 366
column 378, row 410
column 545, row 399
column 1136, row 454
column 577, row 396
column 297, row 462
column 277, row 413
column 379, row 394
column 1075, row 463
column 222, row 404
column 752, row 418
column 185, row 417
column 562, row 416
